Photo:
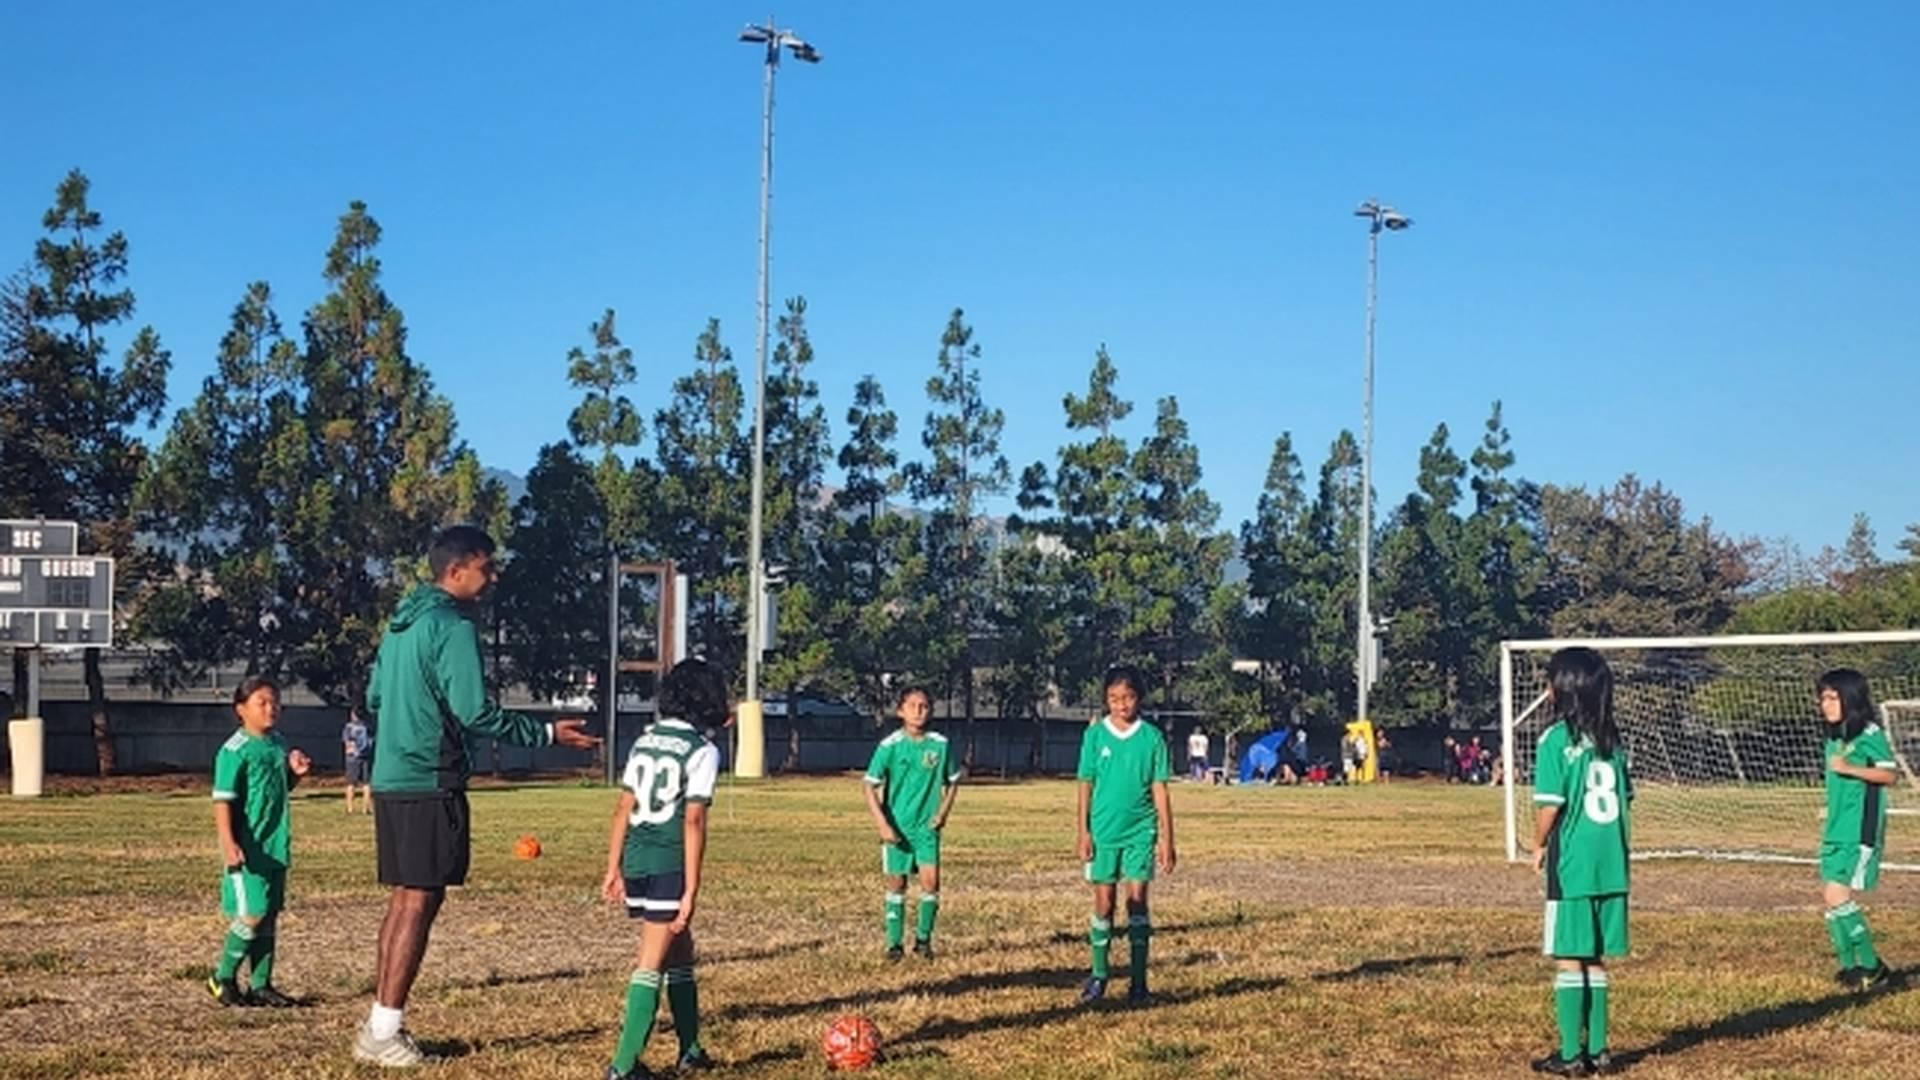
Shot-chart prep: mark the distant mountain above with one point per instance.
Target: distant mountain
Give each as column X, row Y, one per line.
column 515, row 484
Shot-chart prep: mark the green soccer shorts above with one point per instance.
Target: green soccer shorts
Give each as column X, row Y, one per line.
column 914, row 851
column 1586, row 927
column 247, row 895
column 1857, row 866
column 1131, row 861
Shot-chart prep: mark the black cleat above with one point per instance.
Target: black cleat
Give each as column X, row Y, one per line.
column 1601, row 1064
column 1138, row 994
column 266, row 997
column 1094, row 989
column 638, row 1072
column 1555, row 1065
column 923, row 948
column 1848, row 978
column 226, row 992
column 696, row 1060
column 1879, row 978
column 895, row 953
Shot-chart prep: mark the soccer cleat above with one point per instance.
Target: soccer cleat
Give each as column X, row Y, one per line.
column 266, row 997
column 1879, row 978
column 923, row 948
column 226, row 992
column 1555, row 1065
column 1601, row 1064
column 1848, row 978
column 638, row 1072
column 696, row 1060
column 895, row 953
column 1094, row 989
column 1138, row 994
column 399, row 1052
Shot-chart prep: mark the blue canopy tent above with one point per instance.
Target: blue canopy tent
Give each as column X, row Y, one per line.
column 1262, row 759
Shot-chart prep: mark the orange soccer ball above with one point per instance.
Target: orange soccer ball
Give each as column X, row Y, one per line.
column 851, row 1043
column 527, row 847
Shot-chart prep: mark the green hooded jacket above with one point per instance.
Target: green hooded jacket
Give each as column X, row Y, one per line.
column 427, row 696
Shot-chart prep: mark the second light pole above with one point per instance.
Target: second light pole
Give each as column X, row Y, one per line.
column 1366, row 666
column 751, row 757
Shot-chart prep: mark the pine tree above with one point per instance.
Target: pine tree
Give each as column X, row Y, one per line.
column 794, row 514
column 1429, row 582
column 1182, row 565
column 606, row 421
column 553, row 594
column 1278, row 551
column 965, row 468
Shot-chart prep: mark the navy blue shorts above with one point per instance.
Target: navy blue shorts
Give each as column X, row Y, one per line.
column 655, row 897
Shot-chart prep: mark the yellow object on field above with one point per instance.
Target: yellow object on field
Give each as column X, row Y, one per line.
column 27, row 746
column 752, row 761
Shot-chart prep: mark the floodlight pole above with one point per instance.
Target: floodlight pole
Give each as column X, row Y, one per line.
column 1378, row 217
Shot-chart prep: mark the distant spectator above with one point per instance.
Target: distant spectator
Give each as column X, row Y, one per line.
column 1466, row 757
column 1450, row 759
column 1294, row 762
column 1353, row 757
column 1383, row 755
column 357, row 746
column 1197, row 750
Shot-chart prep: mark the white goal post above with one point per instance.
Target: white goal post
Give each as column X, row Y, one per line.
column 1724, row 738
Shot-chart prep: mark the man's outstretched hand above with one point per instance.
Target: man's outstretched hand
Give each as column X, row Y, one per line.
column 573, row 733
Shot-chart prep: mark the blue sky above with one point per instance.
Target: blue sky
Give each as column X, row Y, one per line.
column 1674, row 239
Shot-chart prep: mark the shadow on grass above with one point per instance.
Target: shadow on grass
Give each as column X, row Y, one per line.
column 451, row 1049
column 1762, row 1022
column 532, row 978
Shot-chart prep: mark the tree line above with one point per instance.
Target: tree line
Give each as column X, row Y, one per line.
column 280, row 513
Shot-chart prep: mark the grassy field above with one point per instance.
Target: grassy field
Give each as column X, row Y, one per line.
column 1335, row 932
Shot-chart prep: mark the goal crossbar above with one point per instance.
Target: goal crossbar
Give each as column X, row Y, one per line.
column 1520, row 711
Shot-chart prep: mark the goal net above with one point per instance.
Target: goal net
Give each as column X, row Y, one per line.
column 1724, row 738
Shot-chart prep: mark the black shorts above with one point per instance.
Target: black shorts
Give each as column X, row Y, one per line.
column 356, row 770
column 656, row 897
column 423, row 840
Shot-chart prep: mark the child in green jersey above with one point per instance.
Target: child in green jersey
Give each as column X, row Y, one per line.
column 1581, row 840
column 252, row 775
column 654, row 856
column 911, row 783
column 1125, row 821
column 1859, row 766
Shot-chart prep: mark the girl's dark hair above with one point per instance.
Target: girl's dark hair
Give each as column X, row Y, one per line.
column 1128, row 675
column 1583, row 696
column 251, row 685
column 1856, row 701
column 696, row 692
column 911, row 689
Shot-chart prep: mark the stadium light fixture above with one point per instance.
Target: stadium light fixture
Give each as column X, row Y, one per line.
column 1366, row 662
column 749, row 760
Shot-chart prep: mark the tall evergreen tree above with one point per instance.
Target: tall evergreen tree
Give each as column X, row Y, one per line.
column 1429, row 582
column 1182, row 566
column 553, row 594
column 72, row 416
column 704, row 459
column 795, row 515
column 607, row 422
column 964, row 469
column 1277, row 546
column 1328, row 677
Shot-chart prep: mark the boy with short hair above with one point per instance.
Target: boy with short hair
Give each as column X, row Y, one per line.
column 252, row 774
column 356, row 745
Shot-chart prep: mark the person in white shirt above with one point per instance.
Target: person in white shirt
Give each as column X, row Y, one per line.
column 1197, row 748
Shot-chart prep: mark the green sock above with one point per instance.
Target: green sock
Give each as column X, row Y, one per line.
column 1570, row 1006
column 1837, row 933
column 896, row 918
column 643, row 1000
column 1139, row 933
column 260, row 957
column 1864, row 956
column 683, row 1000
column 929, row 909
column 1100, row 935
column 1596, row 1009
column 239, row 941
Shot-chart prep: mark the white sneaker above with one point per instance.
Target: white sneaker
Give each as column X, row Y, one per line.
column 399, row 1052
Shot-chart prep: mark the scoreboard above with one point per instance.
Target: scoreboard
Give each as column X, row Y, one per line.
column 51, row 596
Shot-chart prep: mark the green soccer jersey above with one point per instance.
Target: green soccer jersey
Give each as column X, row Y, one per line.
column 671, row 764
column 1857, row 810
column 1122, row 766
column 913, row 774
column 1587, row 849
column 250, row 774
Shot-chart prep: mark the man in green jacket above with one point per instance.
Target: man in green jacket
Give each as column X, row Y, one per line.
column 427, row 697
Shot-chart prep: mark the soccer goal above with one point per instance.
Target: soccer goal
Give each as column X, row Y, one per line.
column 1724, row 738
